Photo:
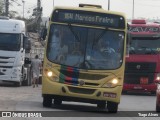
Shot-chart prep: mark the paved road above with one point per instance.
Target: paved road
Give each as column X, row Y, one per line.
column 29, row 99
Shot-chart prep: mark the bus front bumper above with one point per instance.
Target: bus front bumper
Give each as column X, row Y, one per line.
column 79, row 93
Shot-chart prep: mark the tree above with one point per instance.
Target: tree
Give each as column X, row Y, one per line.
column 13, row 14
column 1, row 7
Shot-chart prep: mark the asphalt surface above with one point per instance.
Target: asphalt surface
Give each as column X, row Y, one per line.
column 27, row 98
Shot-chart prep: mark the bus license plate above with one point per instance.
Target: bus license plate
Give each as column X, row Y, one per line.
column 143, row 80
column 111, row 95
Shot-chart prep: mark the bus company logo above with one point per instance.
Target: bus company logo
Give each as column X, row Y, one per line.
column 6, row 114
column 138, row 67
column 81, row 82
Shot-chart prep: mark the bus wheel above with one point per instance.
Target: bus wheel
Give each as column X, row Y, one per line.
column 57, row 102
column 102, row 105
column 47, row 101
column 112, row 107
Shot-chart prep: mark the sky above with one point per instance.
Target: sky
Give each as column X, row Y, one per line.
column 142, row 8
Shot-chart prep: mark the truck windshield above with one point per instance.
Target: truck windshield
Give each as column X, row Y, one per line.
column 145, row 45
column 85, row 48
column 9, row 42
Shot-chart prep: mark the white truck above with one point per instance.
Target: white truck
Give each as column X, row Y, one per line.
column 14, row 65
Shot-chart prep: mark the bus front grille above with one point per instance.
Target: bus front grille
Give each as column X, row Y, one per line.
column 81, row 90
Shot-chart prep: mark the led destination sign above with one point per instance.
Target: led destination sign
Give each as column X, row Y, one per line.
column 90, row 18
column 87, row 18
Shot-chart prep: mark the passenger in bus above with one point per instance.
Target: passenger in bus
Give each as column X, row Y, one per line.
column 55, row 45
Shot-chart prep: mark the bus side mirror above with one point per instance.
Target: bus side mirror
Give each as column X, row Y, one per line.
column 27, row 44
column 43, row 34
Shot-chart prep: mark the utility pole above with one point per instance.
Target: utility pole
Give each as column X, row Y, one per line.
column 6, row 8
column 39, row 14
column 38, row 5
column 23, row 7
column 108, row 4
column 133, row 11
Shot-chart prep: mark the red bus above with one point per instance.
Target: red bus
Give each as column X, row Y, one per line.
column 142, row 70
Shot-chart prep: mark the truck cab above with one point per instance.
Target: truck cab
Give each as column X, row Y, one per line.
column 142, row 70
column 13, row 52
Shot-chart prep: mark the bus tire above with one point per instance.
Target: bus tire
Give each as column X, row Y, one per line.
column 112, row 107
column 101, row 105
column 57, row 102
column 47, row 101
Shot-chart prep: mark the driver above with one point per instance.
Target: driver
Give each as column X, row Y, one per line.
column 105, row 47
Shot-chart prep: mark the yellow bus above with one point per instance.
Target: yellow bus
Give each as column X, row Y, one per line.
column 85, row 57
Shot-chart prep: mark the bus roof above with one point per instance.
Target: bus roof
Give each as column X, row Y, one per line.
column 92, row 9
column 12, row 26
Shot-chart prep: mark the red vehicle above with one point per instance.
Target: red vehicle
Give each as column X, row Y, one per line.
column 142, row 71
column 158, row 98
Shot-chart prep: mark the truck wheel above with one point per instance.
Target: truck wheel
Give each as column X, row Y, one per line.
column 28, row 77
column 18, row 84
column 112, row 107
column 153, row 93
column 102, row 105
column 27, row 82
column 57, row 102
column 157, row 108
column 47, row 101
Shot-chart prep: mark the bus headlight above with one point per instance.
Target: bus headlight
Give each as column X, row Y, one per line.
column 114, row 81
column 49, row 73
column 111, row 83
column 52, row 76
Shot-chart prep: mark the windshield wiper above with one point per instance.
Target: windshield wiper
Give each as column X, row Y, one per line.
column 74, row 33
column 82, row 65
column 148, row 50
column 132, row 52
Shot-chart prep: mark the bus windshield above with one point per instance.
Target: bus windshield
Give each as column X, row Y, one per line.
column 10, row 42
column 144, row 45
column 85, row 47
